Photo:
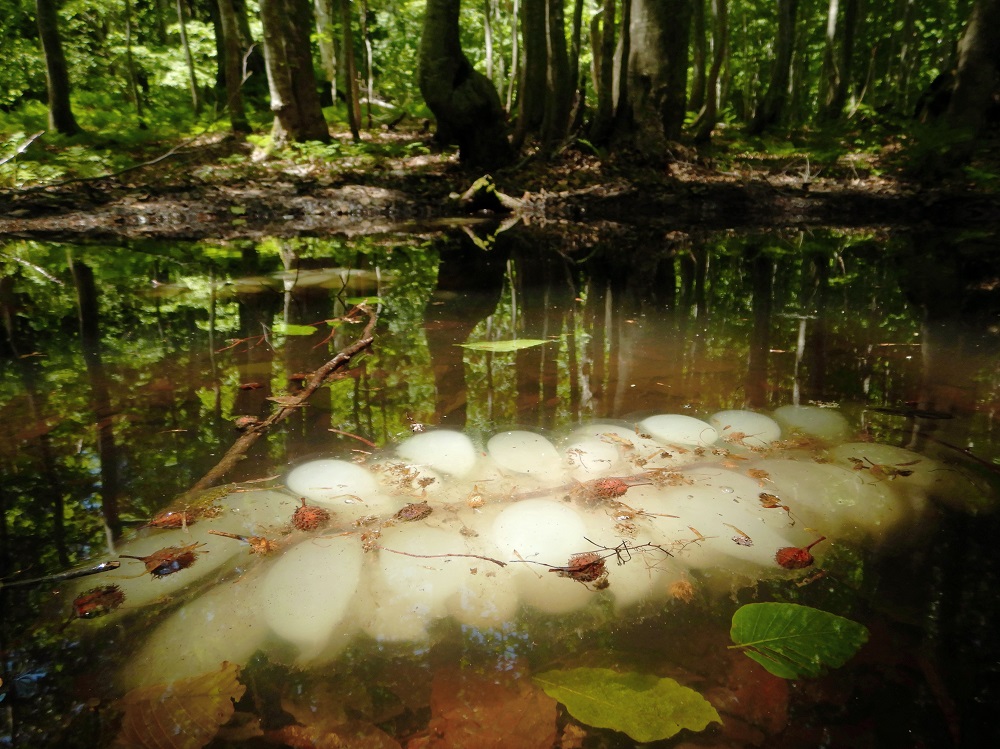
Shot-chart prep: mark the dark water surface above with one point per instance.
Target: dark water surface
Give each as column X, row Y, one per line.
column 125, row 367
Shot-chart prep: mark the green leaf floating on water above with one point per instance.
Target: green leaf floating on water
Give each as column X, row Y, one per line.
column 505, row 346
column 793, row 641
column 287, row 328
column 645, row 707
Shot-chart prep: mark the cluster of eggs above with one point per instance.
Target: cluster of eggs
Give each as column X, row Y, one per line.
column 440, row 526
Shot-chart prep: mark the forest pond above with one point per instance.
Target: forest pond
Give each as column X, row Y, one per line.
column 568, row 458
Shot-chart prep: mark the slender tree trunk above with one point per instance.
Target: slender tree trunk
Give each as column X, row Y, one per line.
column 576, row 34
column 709, row 114
column 325, row 40
column 488, row 36
column 369, row 67
column 515, row 54
column 192, row 78
column 532, row 93
column 604, row 120
column 233, row 67
column 133, row 88
column 294, row 98
column 623, row 51
column 56, row 74
column 772, row 107
column 463, row 100
column 350, row 70
column 558, row 93
column 699, row 57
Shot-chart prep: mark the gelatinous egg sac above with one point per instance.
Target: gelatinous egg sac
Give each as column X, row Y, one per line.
column 442, row 526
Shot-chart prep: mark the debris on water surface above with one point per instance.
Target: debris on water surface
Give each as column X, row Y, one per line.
column 309, row 517
column 586, row 567
column 98, row 602
column 169, row 560
column 796, row 558
column 414, row 511
column 258, row 544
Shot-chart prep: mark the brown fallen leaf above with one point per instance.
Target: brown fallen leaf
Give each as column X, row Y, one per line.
column 184, row 714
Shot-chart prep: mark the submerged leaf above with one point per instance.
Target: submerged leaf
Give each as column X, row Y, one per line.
column 503, row 347
column 185, row 714
column 645, row 707
column 793, row 641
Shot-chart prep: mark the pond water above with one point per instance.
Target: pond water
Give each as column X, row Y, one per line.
column 680, row 407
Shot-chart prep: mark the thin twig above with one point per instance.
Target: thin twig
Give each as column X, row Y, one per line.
column 249, row 437
column 60, row 576
column 439, row 556
column 348, row 434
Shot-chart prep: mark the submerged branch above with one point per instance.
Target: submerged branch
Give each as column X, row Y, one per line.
column 253, row 433
column 60, row 576
column 441, row 556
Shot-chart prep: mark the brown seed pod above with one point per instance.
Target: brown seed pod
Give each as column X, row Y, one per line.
column 169, row 560
column 796, row 558
column 309, row 517
column 609, row 488
column 414, row 511
column 98, row 602
column 172, row 519
column 584, row 568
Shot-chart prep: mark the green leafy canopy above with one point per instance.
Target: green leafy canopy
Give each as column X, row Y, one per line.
column 645, row 707
column 793, row 641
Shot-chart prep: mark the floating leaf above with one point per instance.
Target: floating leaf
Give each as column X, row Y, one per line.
column 503, row 347
column 183, row 715
column 645, row 707
column 793, row 641
column 287, row 328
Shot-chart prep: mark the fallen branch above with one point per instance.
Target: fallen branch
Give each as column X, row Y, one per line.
column 254, row 432
column 60, row 576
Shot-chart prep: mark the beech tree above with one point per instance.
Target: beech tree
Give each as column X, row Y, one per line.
column 772, row 106
column 233, row 68
column 288, row 57
column 463, row 100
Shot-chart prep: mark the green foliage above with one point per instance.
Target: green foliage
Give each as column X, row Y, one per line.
column 793, row 641
column 645, row 707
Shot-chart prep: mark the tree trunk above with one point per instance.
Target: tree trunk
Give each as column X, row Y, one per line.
column 699, row 57
column 466, row 105
column 188, row 59
column 600, row 131
column 325, row 40
column 532, row 93
column 771, row 108
column 294, row 98
column 558, row 93
column 709, row 114
column 978, row 67
column 133, row 87
column 233, row 67
column 515, row 53
column 351, row 92
column 56, row 75
column 657, row 73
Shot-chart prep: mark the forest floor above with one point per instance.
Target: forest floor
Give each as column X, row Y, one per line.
column 218, row 187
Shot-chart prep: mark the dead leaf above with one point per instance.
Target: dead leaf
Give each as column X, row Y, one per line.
column 494, row 710
column 185, row 714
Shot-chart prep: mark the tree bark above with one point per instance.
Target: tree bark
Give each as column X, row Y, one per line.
column 601, row 129
column 531, row 96
column 466, row 105
column 298, row 116
column 978, row 67
column 327, row 47
column 558, row 92
column 657, row 73
column 350, row 70
column 771, row 108
column 699, row 57
column 709, row 114
column 188, row 59
column 233, row 67
column 56, row 74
